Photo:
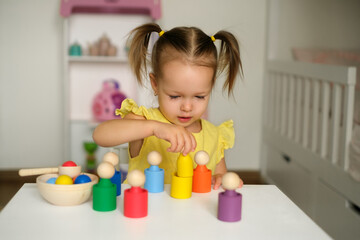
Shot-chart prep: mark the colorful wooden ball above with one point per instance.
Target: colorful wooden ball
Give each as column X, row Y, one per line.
column 69, row 164
column 230, row 181
column 136, row 178
column 112, row 158
column 106, row 170
column 51, row 180
column 201, row 158
column 82, row 179
column 154, row 158
column 64, row 180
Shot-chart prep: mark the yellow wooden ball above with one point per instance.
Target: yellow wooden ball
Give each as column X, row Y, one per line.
column 64, row 180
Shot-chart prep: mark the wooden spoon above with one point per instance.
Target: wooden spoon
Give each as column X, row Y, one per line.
column 70, row 171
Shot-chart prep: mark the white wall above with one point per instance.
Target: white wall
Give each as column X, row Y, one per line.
column 31, row 45
column 312, row 24
column 30, row 84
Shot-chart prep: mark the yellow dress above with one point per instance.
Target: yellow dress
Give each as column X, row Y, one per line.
column 212, row 139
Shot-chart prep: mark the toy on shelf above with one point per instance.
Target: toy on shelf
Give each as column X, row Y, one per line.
column 75, row 49
column 230, row 201
column 104, row 193
column 202, row 175
column 136, row 198
column 71, row 171
column 102, row 47
column 181, row 181
column 107, row 101
column 90, row 148
column 113, row 159
column 154, row 175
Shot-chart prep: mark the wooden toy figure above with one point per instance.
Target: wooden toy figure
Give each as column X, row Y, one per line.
column 154, row 175
column 113, row 159
column 181, row 181
column 202, row 175
column 229, row 206
column 136, row 198
column 104, row 193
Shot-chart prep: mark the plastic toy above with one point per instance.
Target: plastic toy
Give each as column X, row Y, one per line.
column 154, row 175
column 181, row 181
column 82, row 179
column 113, row 159
column 69, row 171
column 202, row 175
column 90, row 148
column 136, row 198
column 64, row 180
column 107, row 101
column 65, row 195
column 230, row 201
column 104, row 193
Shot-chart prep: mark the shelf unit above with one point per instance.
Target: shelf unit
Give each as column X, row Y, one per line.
column 84, row 23
column 97, row 59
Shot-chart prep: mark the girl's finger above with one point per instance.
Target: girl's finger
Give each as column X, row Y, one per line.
column 217, row 182
column 173, row 142
column 188, row 144
column 180, row 142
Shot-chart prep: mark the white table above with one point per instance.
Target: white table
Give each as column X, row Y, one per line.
column 266, row 214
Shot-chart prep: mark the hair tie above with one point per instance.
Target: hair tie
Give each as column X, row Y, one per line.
column 161, row 33
column 213, row 38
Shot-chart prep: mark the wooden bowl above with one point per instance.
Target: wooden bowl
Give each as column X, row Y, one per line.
column 65, row 195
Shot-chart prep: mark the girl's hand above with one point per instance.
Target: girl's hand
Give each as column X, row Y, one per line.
column 181, row 140
column 217, row 179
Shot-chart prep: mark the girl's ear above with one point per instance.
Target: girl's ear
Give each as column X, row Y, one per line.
column 154, row 84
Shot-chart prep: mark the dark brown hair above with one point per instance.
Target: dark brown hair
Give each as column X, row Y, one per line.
column 189, row 43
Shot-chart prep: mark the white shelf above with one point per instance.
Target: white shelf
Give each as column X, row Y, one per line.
column 98, row 59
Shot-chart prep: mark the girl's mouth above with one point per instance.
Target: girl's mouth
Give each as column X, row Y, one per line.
column 184, row 119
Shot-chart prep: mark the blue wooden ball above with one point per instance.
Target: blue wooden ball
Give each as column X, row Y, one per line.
column 82, row 179
column 51, row 180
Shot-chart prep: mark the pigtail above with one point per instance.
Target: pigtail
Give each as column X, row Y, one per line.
column 229, row 58
column 138, row 51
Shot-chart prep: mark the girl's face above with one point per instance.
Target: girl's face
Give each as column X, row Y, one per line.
column 183, row 92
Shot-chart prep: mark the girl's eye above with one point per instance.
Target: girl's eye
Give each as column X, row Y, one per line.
column 173, row 97
column 200, row 97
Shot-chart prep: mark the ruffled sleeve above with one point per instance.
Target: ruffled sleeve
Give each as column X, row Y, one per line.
column 226, row 136
column 129, row 106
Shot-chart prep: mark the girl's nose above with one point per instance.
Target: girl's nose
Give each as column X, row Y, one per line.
column 186, row 106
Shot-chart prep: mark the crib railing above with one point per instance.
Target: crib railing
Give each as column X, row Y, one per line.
column 312, row 105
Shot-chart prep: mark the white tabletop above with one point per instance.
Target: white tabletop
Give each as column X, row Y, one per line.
column 266, row 214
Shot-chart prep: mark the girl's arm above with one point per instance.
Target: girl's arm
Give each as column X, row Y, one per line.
column 220, row 170
column 134, row 129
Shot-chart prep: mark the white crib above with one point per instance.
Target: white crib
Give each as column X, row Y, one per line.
column 308, row 122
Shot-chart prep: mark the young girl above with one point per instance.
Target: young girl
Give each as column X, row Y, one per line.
column 184, row 64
